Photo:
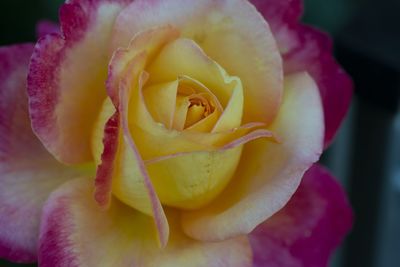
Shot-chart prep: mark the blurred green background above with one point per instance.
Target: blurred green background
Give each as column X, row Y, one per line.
column 366, row 154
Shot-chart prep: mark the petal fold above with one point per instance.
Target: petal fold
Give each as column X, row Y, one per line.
column 131, row 182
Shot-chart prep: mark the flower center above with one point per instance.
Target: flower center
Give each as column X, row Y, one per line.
column 184, row 104
column 199, row 109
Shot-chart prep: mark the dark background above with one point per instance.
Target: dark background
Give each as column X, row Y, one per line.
column 366, row 153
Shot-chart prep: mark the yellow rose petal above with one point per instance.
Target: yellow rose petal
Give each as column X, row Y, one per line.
column 193, row 180
column 195, row 114
column 205, row 125
column 185, row 57
column 131, row 183
column 181, row 109
column 146, row 43
column 233, row 113
column 161, row 101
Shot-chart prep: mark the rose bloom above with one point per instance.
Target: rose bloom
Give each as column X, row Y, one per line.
column 171, row 133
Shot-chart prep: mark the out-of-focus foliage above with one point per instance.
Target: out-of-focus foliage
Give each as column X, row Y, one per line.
column 329, row 15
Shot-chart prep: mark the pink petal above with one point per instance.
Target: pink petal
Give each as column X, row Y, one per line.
column 307, row 49
column 278, row 12
column 27, row 172
column 308, row 229
column 103, row 182
column 45, row 27
column 66, row 83
column 74, row 233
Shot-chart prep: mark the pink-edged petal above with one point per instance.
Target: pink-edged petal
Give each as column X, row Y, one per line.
column 141, row 181
column 308, row 229
column 314, row 55
column 232, row 25
column 268, row 173
column 103, row 182
column 307, row 49
column 66, row 82
column 145, row 43
column 76, row 233
column 45, row 27
column 27, row 172
column 278, row 12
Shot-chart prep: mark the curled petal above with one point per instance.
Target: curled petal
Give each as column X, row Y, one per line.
column 268, row 173
column 147, row 43
column 132, row 183
column 67, row 72
column 27, row 172
column 122, row 236
column 105, row 171
column 307, row 230
column 121, row 170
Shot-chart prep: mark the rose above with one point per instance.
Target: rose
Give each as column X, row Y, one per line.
column 111, row 89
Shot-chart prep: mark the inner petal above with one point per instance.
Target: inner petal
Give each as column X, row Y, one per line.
column 161, row 101
column 196, row 112
column 185, row 57
column 183, row 104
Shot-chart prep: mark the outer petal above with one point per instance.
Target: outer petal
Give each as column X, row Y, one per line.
column 27, row 172
column 75, row 232
column 66, row 82
column 221, row 28
column 306, row 231
column 278, row 12
column 334, row 84
column 45, row 27
column 307, row 49
column 269, row 173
